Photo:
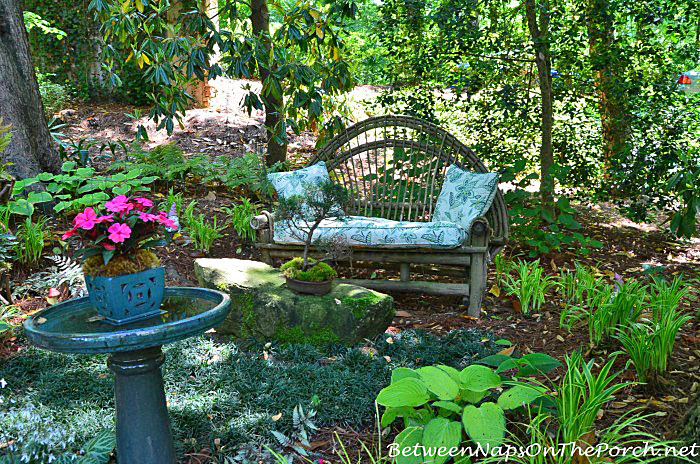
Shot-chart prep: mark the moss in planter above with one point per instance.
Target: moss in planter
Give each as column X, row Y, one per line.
column 319, row 272
column 137, row 261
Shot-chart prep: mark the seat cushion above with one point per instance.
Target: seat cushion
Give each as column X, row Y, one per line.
column 294, row 183
column 378, row 232
column 465, row 195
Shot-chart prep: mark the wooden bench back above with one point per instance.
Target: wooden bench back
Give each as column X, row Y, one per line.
column 394, row 167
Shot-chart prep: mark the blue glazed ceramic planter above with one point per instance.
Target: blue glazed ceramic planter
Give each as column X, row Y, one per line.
column 127, row 298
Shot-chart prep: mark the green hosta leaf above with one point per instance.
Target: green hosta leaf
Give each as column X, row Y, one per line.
column 133, row 173
column 121, row 189
column 518, row 396
column 439, row 382
column 120, row 177
column 85, row 172
column 451, row 371
column 402, row 373
column 448, row 405
column 441, row 433
column 479, row 378
column 405, row 392
column 60, row 206
column 89, row 188
column 68, row 166
column 45, row 176
column 39, row 197
column 485, row 425
column 21, row 207
column 19, row 186
column 408, row 438
column 390, row 414
column 472, row 396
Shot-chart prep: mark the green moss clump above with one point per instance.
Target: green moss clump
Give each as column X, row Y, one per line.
column 319, row 272
column 137, row 261
column 295, row 335
column 360, row 306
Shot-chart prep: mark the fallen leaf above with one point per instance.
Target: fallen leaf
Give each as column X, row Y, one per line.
column 387, row 358
column 560, row 338
column 517, row 307
column 277, row 417
column 403, row 314
column 40, row 320
column 97, row 318
column 390, row 341
column 211, row 196
column 507, row 351
column 495, row 291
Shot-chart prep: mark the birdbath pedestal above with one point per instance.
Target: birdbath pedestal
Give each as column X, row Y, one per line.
column 143, row 426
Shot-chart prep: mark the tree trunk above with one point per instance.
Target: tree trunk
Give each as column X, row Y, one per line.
column 540, row 39
column 260, row 20
column 603, row 52
column 31, row 148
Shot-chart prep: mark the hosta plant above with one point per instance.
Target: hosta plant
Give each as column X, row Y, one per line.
column 442, row 407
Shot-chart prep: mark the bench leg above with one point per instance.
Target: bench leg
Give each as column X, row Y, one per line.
column 405, row 272
column 477, row 284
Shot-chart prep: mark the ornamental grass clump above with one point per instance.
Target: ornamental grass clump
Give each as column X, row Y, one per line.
column 116, row 243
column 529, row 287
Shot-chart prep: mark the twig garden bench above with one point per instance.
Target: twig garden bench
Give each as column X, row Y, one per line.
column 395, row 168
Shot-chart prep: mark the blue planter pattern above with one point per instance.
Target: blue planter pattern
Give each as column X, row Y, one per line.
column 127, row 298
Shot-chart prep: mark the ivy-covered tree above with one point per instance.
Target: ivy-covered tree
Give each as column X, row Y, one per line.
column 299, row 61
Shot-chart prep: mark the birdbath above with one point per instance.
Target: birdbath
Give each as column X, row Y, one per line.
column 143, row 426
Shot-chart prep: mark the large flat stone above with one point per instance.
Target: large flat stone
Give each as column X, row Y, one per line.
column 263, row 307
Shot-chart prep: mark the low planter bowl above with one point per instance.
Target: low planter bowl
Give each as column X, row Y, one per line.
column 127, row 298
column 311, row 288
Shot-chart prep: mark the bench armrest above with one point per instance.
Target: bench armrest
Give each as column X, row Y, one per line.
column 264, row 223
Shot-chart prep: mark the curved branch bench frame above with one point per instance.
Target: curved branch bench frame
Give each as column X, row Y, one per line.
column 394, row 166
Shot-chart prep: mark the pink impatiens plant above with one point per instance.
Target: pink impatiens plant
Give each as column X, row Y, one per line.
column 129, row 223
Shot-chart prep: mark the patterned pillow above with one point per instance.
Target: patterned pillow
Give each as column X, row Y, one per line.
column 465, row 195
column 291, row 183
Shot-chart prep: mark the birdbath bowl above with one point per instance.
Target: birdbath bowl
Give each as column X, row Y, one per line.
column 143, row 426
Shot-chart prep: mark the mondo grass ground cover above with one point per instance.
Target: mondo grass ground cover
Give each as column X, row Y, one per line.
column 215, row 390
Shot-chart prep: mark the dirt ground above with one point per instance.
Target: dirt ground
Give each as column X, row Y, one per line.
column 628, row 248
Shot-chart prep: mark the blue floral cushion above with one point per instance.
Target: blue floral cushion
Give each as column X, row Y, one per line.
column 294, row 183
column 378, row 232
column 465, row 195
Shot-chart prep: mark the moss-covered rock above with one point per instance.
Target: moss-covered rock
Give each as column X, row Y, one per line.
column 263, row 307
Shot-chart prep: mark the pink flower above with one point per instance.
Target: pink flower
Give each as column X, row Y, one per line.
column 119, row 204
column 102, row 219
column 169, row 223
column 143, row 204
column 119, row 232
column 145, row 217
column 86, row 220
column 69, row 234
